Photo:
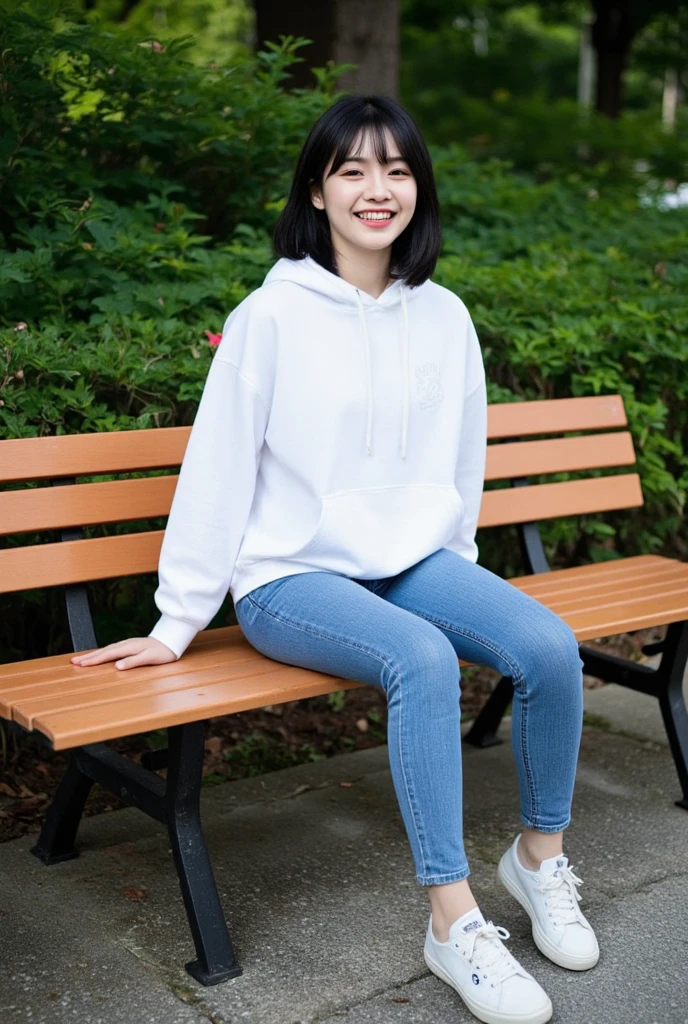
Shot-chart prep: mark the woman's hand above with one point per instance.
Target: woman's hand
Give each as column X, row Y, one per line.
column 140, row 650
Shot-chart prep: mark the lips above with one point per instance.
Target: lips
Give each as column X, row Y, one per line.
column 378, row 221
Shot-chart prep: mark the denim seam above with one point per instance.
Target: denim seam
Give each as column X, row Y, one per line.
column 516, row 675
column 450, row 876
column 550, row 829
column 383, row 661
column 420, row 831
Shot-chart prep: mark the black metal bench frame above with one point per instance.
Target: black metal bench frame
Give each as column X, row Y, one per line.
column 174, row 801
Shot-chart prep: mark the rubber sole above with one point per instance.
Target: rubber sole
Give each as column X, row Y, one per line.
column 485, row 1015
column 549, row 950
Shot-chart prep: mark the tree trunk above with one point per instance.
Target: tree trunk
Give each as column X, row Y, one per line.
column 344, row 31
column 613, row 32
column 367, row 34
column 298, row 18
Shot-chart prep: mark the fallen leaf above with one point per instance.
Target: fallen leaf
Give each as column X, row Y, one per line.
column 135, row 895
column 346, row 784
column 362, row 725
column 29, row 804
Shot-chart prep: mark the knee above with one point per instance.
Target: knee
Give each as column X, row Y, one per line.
column 553, row 656
column 430, row 664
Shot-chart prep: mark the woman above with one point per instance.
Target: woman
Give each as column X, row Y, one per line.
column 332, row 481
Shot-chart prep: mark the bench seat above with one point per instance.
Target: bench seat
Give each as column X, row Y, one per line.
column 221, row 673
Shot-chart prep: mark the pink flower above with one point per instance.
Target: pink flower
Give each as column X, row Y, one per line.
column 213, row 339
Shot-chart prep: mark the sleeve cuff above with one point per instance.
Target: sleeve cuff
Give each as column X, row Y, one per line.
column 173, row 633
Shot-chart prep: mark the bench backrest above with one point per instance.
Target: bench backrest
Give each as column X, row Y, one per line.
column 66, row 504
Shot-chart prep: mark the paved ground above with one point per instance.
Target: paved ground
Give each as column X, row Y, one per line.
column 327, row 919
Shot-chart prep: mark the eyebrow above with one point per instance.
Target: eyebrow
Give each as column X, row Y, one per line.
column 364, row 160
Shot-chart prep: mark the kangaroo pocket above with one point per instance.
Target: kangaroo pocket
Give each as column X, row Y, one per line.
column 376, row 532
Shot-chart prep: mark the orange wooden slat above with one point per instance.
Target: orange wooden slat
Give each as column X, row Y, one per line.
column 619, row 607
column 554, row 416
column 558, row 455
column 620, row 568
column 50, row 508
column 627, row 616
column 54, row 665
column 120, row 688
column 63, row 679
column 598, row 586
column 119, row 451
column 76, row 561
column 549, row 501
column 89, row 725
column 610, row 597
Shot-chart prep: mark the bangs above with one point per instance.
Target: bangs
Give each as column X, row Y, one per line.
column 352, row 145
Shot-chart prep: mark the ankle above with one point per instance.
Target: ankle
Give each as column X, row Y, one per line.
column 449, row 903
column 534, row 847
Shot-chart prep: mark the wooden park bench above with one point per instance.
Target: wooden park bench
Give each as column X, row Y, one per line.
column 80, row 709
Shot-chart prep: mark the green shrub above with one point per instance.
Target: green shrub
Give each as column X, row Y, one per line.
column 126, row 237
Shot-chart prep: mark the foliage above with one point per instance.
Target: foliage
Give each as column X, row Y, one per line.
column 219, row 27
column 137, row 210
column 488, row 50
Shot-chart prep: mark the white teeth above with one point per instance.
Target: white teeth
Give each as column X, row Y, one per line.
column 375, row 216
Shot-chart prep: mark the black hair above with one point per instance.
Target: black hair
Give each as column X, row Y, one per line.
column 302, row 230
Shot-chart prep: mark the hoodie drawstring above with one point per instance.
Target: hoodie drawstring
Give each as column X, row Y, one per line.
column 405, row 357
column 369, row 374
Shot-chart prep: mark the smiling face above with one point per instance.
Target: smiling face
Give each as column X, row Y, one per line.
column 368, row 203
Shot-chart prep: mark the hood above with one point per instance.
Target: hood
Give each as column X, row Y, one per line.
column 309, row 274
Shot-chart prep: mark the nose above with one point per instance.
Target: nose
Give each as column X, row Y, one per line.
column 377, row 185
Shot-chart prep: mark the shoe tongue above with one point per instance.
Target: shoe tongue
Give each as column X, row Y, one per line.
column 470, row 922
column 547, row 867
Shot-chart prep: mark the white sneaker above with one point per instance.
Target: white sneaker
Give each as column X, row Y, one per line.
column 550, row 898
column 492, row 984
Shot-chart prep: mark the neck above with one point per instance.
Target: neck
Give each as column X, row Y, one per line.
column 363, row 268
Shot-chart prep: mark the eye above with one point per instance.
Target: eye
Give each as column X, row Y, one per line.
column 400, row 170
column 352, row 171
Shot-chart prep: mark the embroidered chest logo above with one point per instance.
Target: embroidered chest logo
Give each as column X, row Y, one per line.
column 428, row 385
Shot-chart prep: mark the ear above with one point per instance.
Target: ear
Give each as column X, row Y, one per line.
column 316, row 198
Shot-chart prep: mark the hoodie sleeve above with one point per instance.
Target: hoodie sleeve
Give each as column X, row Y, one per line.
column 216, row 482
column 470, row 464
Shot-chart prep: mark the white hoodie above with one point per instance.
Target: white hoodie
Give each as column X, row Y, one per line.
column 336, row 432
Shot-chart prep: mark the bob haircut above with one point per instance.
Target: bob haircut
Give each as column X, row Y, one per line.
column 302, row 230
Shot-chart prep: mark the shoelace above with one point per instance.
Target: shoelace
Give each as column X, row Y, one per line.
column 561, row 895
column 491, row 958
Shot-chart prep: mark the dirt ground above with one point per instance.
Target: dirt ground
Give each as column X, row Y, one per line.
column 248, row 743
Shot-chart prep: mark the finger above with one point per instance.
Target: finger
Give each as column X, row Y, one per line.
column 142, row 658
column 109, row 653
column 82, row 654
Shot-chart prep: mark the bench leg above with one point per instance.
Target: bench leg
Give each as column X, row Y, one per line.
column 672, row 702
column 58, row 832
column 215, row 957
column 483, row 732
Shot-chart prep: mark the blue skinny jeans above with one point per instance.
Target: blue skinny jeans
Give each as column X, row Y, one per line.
column 403, row 633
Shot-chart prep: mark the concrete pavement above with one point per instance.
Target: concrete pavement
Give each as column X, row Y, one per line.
column 327, row 919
